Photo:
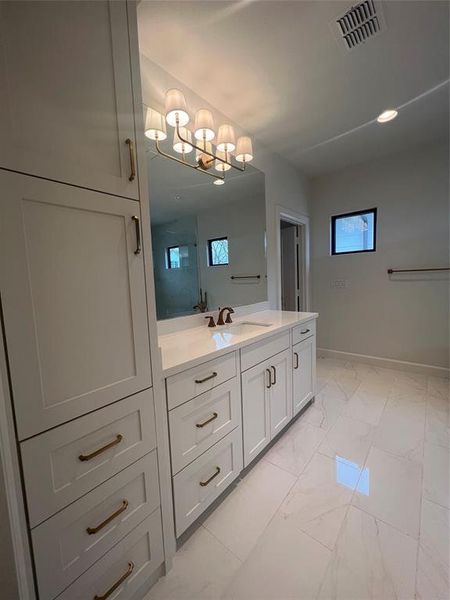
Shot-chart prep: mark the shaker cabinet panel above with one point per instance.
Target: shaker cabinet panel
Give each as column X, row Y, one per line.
column 256, row 410
column 73, row 298
column 63, row 464
column 122, row 571
column 280, row 392
column 72, row 540
column 303, row 373
column 66, row 93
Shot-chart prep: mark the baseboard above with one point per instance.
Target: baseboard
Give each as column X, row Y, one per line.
column 388, row 363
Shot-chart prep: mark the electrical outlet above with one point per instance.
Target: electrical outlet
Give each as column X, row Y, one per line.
column 339, row 283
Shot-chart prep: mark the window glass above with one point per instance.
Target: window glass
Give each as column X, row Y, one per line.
column 173, row 257
column 354, row 232
column 218, row 252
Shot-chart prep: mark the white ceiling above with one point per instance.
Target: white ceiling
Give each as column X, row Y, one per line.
column 276, row 68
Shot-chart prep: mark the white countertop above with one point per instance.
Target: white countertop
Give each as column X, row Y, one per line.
column 190, row 347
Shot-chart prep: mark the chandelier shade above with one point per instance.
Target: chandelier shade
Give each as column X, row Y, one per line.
column 226, row 141
column 176, row 108
column 221, row 166
column 155, row 125
column 181, row 146
column 204, row 125
column 244, row 149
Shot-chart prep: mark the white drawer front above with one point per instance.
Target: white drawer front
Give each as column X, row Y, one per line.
column 200, row 483
column 198, row 424
column 303, row 331
column 189, row 384
column 132, row 560
column 54, row 473
column 67, row 544
column 256, row 353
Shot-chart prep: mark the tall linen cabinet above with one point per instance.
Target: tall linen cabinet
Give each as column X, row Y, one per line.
column 83, row 429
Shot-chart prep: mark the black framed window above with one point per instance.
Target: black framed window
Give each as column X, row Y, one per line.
column 354, row 232
column 218, row 252
column 173, row 257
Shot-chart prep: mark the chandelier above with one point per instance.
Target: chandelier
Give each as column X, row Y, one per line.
column 212, row 152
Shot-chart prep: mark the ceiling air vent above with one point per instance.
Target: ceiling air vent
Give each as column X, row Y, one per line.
column 360, row 23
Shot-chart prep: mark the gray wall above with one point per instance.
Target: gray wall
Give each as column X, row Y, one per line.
column 244, row 223
column 176, row 290
column 405, row 317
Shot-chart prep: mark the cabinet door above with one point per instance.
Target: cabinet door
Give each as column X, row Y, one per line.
column 66, row 94
column 280, row 392
column 74, row 304
column 255, row 410
column 303, row 361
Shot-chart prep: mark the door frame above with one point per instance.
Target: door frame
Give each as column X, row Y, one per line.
column 288, row 214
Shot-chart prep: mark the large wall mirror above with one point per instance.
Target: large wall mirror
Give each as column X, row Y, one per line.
column 209, row 241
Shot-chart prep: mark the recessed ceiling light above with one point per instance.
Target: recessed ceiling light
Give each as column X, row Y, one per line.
column 218, row 182
column 387, row 115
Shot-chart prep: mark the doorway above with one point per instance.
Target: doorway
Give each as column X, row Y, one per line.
column 291, row 242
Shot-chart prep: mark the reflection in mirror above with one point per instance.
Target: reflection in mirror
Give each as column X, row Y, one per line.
column 209, row 247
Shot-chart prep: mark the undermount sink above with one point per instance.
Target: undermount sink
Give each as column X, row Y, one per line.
column 244, row 328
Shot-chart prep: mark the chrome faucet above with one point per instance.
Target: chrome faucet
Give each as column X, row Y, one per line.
column 220, row 320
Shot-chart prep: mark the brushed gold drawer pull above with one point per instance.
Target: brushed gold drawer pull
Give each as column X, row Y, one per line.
column 119, row 582
column 130, row 145
column 119, row 511
column 203, row 483
column 214, row 374
column 296, row 360
column 305, row 331
column 117, row 440
column 214, row 416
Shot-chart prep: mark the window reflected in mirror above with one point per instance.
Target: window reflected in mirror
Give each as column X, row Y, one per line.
column 208, row 241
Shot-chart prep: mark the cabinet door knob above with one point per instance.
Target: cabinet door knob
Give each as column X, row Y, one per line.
column 296, row 360
column 130, row 145
column 274, row 370
column 269, row 385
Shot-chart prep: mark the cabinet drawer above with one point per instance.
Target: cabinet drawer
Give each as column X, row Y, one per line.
column 133, row 560
column 200, row 483
column 256, row 353
column 68, row 543
column 189, row 384
column 64, row 463
column 303, row 331
column 198, row 424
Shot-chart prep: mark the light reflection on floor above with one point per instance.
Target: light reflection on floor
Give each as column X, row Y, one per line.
column 348, row 474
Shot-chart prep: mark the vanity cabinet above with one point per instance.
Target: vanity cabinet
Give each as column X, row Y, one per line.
column 304, row 372
column 256, row 409
column 66, row 93
column 251, row 395
column 280, row 392
column 266, row 402
column 74, row 301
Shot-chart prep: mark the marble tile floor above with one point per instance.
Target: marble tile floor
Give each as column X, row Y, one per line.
column 351, row 503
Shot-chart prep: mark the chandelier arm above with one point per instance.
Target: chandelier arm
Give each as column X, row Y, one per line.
column 206, row 151
column 186, row 164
